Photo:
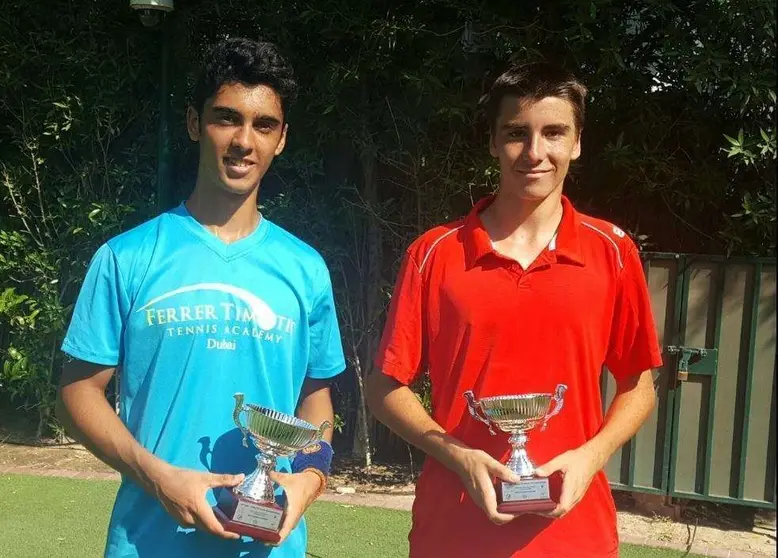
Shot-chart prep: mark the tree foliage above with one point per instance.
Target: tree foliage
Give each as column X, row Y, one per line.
column 386, row 139
column 76, row 166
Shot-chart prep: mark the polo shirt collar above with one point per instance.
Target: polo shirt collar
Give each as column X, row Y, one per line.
column 476, row 240
column 565, row 246
column 568, row 240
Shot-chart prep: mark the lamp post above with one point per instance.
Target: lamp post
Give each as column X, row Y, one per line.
column 152, row 14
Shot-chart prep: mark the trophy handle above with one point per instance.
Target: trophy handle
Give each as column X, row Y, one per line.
column 559, row 400
column 320, row 432
column 239, row 408
column 319, row 435
column 477, row 412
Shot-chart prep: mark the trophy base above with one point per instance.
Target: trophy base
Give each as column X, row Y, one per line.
column 244, row 516
column 530, row 495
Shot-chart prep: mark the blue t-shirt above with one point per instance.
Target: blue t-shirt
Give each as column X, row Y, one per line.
column 189, row 320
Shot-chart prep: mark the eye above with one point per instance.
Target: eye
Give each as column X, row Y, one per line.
column 517, row 134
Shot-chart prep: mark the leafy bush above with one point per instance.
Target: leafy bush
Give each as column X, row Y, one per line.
column 77, row 167
column 679, row 146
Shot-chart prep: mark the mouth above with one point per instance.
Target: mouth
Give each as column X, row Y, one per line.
column 238, row 167
column 534, row 173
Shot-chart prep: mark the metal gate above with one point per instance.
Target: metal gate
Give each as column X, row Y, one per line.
column 712, row 434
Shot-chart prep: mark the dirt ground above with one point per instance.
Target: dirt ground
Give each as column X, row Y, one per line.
column 708, row 529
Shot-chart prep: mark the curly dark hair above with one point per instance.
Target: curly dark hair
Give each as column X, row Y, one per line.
column 535, row 81
column 240, row 60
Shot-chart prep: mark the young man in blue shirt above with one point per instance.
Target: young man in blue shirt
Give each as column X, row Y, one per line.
column 205, row 300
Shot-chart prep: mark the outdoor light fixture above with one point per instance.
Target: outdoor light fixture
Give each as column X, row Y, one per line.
column 151, row 11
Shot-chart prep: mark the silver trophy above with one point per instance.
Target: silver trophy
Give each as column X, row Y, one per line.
column 517, row 415
column 250, row 508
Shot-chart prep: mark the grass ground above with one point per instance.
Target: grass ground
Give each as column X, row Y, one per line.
column 42, row 517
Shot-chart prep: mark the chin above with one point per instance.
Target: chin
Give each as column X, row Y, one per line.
column 531, row 192
column 238, row 188
column 237, row 185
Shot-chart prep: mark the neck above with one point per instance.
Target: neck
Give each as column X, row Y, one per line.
column 228, row 216
column 511, row 217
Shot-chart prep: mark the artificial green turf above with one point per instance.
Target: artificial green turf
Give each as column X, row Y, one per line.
column 43, row 517
column 372, row 532
column 636, row 551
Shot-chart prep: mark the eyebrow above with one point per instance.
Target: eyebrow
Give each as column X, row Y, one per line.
column 225, row 111
column 263, row 118
column 510, row 126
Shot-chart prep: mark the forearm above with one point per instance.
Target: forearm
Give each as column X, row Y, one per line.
column 86, row 414
column 315, row 406
column 631, row 406
column 398, row 408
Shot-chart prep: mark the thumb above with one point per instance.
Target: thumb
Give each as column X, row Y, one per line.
column 551, row 467
column 278, row 477
column 225, row 480
column 502, row 472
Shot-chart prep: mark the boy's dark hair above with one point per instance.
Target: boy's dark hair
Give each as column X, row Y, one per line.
column 238, row 60
column 535, row 81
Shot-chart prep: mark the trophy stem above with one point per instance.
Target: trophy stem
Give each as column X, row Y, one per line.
column 519, row 462
column 257, row 485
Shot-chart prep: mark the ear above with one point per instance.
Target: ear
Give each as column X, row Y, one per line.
column 576, row 148
column 282, row 141
column 192, row 123
column 493, row 145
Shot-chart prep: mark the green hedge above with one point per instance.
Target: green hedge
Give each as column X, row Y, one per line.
column 384, row 141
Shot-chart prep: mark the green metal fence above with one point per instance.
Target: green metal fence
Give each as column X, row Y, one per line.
column 712, row 435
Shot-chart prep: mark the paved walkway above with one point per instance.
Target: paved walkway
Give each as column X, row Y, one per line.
column 404, row 503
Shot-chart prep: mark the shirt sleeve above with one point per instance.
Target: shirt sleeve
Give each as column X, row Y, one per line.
column 96, row 328
column 326, row 354
column 401, row 351
column 633, row 346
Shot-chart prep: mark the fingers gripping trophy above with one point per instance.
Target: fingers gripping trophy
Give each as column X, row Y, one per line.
column 250, row 508
column 517, row 415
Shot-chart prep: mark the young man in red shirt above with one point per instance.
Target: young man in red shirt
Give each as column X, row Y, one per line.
column 522, row 294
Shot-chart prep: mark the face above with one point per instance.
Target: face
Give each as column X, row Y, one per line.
column 240, row 131
column 534, row 140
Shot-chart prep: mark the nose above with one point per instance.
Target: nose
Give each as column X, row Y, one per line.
column 535, row 149
column 241, row 140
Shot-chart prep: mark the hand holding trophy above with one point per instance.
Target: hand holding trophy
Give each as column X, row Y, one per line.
column 250, row 508
column 517, row 415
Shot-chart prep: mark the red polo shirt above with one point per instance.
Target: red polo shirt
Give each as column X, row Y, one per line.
column 474, row 320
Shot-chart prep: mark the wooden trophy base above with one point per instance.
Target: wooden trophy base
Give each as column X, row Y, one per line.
column 244, row 516
column 530, row 495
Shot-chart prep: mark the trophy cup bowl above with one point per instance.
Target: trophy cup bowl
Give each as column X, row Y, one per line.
column 250, row 508
column 517, row 415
